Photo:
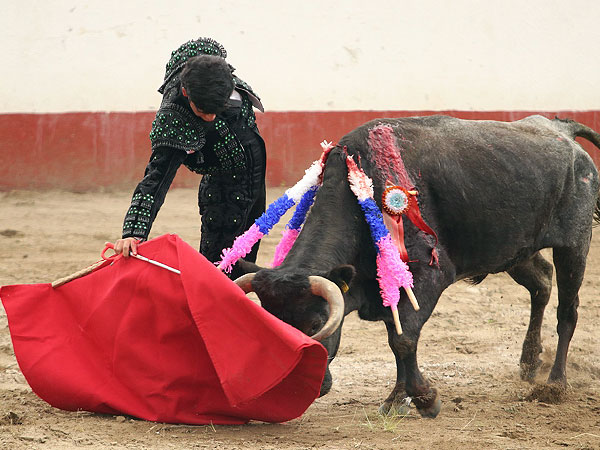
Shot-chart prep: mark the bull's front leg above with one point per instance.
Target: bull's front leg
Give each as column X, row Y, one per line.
column 431, row 282
column 409, row 380
column 395, row 403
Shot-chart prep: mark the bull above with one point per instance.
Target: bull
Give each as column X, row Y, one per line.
column 496, row 193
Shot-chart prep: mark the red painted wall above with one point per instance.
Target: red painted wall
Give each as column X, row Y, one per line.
column 83, row 151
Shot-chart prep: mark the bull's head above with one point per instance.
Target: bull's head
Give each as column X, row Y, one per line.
column 313, row 304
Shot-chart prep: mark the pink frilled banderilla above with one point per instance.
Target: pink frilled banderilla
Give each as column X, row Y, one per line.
column 302, row 193
column 392, row 272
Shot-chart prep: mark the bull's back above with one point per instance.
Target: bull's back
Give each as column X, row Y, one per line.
column 495, row 192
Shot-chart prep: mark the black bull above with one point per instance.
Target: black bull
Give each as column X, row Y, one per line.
column 495, row 193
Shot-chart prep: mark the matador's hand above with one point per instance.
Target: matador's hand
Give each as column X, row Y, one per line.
column 126, row 246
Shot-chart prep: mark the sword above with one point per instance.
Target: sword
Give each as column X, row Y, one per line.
column 111, row 246
column 156, row 263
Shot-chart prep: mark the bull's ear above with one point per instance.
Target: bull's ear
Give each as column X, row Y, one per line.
column 342, row 276
column 245, row 267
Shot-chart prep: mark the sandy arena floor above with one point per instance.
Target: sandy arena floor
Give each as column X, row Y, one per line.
column 470, row 349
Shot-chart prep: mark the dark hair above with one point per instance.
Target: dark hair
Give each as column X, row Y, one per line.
column 208, row 82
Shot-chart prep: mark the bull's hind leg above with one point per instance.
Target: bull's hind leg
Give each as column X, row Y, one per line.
column 535, row 275
column 570, row 267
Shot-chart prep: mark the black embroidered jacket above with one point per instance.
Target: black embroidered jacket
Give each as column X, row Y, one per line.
column 179, row 137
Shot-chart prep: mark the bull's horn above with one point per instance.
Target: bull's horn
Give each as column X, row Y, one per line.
column 245, row 282
column 331, row 293
column 318, row 286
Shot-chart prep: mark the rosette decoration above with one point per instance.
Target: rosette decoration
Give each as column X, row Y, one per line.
column 392, row 271
column 302, row 192
column 395, row 200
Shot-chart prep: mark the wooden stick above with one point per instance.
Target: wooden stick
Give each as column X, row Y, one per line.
column 396, row 321
column 412, row 298
column 77, row 274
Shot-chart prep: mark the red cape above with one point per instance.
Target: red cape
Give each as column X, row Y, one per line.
column 133, row 338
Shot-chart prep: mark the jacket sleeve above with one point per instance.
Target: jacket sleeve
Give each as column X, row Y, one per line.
column 150, row 193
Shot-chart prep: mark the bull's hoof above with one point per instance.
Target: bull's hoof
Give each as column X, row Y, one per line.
column 530, row 361
column 557, row 378
column 399, row 407
column 430, row 406
column 529, row 370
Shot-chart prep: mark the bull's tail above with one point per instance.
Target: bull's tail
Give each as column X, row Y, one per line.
column 576, row 129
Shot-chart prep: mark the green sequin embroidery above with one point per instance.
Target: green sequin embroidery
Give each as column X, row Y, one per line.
column 137, row 219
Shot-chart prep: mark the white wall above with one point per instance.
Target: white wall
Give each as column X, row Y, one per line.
column 109, row 55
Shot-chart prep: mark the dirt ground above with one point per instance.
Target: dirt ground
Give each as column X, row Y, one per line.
column 469, row 349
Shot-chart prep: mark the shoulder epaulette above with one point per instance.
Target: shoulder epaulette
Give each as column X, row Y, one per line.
column 177, row 127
